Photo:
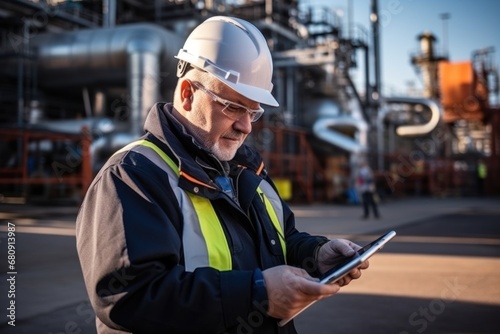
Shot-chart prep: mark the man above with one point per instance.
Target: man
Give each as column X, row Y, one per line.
column 183, row 231
column 366, row 187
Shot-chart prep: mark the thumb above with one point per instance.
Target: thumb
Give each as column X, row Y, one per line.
column 342, row 246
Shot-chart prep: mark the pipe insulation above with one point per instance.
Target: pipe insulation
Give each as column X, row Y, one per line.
column 138, row 56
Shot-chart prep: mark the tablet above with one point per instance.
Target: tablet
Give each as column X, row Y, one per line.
column 343, row 268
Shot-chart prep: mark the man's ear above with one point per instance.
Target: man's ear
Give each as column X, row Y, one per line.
column 186, row 94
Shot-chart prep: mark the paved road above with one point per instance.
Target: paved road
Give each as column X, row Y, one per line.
column 441, row 274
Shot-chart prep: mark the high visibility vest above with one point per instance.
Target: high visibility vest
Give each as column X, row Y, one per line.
column 204, row 240
column 482, row 171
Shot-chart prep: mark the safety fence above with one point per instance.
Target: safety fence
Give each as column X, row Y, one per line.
column 41, row 159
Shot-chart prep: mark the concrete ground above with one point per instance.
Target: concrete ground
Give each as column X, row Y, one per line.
column 441, row 274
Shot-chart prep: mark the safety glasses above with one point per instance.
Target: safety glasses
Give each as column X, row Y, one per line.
column 233, row 110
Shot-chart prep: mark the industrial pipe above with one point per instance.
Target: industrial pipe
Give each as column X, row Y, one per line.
column 406, row 130
column 324, row 128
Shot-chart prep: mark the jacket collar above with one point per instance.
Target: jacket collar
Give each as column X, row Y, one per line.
column 195, row 163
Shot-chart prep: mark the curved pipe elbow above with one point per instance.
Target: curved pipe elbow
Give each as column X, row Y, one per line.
column 414, row 129
column 322, row 128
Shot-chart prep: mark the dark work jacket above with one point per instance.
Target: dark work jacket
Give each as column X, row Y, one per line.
column 129, row 240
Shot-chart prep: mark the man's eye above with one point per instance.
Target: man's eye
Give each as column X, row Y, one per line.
column 236, row 109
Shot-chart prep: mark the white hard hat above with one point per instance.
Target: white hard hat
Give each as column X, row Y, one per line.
column 236, row 53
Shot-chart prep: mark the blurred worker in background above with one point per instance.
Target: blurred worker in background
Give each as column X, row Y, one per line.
column 482, row 173
column 366, row 187
column 183, row 231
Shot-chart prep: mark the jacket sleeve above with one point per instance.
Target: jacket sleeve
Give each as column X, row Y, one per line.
column 128, row 241
column 300, row 246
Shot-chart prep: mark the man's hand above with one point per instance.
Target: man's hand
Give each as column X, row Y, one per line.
column 289, row 289
column 333, row 252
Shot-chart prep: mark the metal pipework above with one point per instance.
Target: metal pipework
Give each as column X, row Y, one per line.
column 139, row 56
column 412, row 129
column 324, row 128
column 109, row 13
column 406, row 130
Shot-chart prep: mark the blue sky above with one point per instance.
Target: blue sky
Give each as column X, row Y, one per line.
column 472, row 25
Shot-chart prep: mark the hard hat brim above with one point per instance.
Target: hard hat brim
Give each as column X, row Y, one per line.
column 253, row 93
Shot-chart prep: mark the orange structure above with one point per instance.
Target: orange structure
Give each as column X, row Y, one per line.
column 463, row 96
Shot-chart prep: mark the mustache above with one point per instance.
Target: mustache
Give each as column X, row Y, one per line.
column 234, row 135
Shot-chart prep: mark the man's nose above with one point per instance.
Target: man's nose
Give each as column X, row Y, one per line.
column 244, row 124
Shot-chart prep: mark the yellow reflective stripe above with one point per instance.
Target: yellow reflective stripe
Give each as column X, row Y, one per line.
column 130, row 146
column 219, row 255
column 274, row 219
column 162, row 154
column 144, row 142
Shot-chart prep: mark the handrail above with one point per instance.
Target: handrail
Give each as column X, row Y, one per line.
column 78, row 168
